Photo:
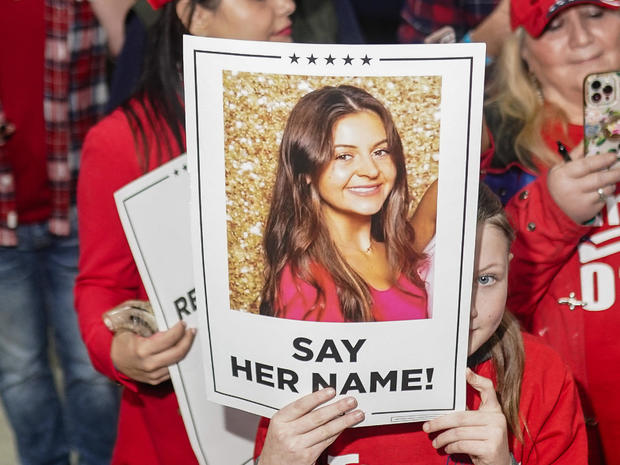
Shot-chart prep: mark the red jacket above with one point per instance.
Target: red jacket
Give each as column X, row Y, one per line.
column 21, row 95
column 549, row 405
column 151, row 430
column 558, row 263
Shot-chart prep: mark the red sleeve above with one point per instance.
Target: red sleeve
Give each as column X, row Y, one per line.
column 261, row 435
column 545, row 239
column 554, row 431
column 107, row 273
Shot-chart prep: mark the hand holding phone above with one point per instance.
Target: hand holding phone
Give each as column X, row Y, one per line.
column 602, row 113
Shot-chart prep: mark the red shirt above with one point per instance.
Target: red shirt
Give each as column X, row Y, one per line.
column 556, row 260
column 151, row 429
column 549, row 405
column 22, row 35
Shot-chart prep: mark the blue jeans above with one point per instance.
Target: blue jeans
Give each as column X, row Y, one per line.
column 36, row 299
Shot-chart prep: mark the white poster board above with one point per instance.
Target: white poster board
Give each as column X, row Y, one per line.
column 238, row 95
column 154, row 211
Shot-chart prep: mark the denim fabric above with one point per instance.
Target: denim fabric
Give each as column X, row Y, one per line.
column 36, row 300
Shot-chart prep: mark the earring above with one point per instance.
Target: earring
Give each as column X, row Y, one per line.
column 536, row 85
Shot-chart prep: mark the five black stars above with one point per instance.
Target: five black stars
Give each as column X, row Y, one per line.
column 331, row 60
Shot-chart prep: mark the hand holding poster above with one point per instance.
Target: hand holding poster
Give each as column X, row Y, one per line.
column 154, row 210
column 239, row 97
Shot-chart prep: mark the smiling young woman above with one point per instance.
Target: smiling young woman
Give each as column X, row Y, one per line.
column 356, row 182
column 338, row 244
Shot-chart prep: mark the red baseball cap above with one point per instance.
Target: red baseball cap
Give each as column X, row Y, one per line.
column 156, row 4
column 534, row 15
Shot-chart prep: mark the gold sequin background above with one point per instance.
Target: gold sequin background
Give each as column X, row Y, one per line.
column 256, row 107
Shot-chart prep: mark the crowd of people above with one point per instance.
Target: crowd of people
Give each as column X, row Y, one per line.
column 339, row 242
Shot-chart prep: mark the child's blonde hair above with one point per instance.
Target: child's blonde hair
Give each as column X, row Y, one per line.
column 505, row 346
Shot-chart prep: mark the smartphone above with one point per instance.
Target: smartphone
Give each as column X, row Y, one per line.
column 601, row 93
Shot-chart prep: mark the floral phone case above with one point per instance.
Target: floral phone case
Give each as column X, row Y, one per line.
column 602, row 113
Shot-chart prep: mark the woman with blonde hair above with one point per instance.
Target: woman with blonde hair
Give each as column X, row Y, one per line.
column 563, row 206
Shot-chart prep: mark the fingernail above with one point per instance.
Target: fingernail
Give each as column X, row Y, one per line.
column 184, row 324
column 193, row 331
column 359, row 415
column 351, row 402
column 330, row 391
column 426, row 427
column 434, row 443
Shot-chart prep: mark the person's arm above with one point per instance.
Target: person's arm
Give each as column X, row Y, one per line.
column 107, row 272
column 547, row 216
column 494, row 29
column 424, row 219
column 111, row 15
column 545, row 239
column 553, row 424
column 561, row 436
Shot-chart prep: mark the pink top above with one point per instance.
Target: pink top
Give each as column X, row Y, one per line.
column 403, row 302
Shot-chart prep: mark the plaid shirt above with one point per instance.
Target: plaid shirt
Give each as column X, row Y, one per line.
column 421, row 17
column 74, row 97
column 8, row 212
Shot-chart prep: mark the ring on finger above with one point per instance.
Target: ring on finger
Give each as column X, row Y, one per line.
column 601, row 194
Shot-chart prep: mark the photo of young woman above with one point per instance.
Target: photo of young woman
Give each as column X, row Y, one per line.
column 338, row 245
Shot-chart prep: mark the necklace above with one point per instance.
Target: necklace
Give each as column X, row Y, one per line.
column 367, row 251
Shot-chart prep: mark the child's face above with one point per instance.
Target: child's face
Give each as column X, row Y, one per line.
column 361, row 172
column 490, row 284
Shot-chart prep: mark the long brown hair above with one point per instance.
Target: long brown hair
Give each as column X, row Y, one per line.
column 505, row 346
column 295, row 233
column 158, row 97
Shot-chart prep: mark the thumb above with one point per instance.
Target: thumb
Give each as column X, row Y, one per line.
column 163, row 340
column 488, row 397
